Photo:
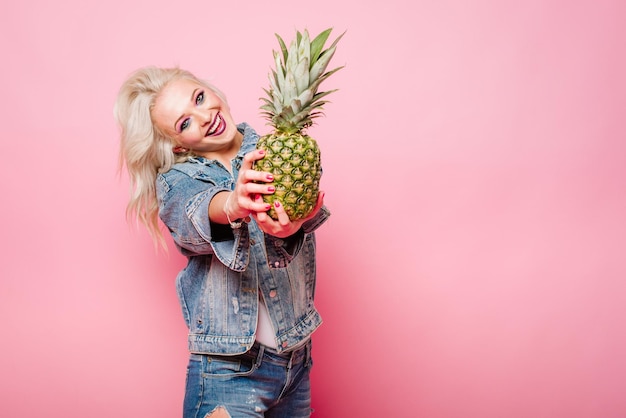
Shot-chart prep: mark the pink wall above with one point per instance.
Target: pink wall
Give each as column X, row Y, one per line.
column 475, row 164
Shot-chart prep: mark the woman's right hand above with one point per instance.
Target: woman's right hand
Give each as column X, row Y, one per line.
column 250, row 183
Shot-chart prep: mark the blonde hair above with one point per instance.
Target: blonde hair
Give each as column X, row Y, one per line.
column 146, row 150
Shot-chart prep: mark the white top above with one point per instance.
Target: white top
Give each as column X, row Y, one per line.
column 265, row 333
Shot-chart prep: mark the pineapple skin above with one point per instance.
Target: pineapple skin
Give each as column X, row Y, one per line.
column 295, row 162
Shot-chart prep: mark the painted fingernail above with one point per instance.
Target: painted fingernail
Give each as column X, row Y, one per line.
column 271, row 189
column 270, row 177
column 262, row 151
column 277, row 204
column 268, row 207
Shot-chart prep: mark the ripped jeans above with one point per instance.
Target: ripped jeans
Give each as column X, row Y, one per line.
column 259, row 383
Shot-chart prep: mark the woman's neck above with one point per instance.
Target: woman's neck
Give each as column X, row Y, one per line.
column 227, row 153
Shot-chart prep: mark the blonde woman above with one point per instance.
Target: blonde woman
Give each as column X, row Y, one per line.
column 247, row 290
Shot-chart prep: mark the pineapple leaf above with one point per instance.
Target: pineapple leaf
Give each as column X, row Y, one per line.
column 304, row 50
column 296, row 105
column 320, row 66
column 306, row 96
column 317, row 82
column 274, row 92
column 301, row 74
column 289, row 91
column 292, row 59
column 265, row 100
column 278, row 102
column 318, row 44
column 280, row 70
column 283, row 47
column 292, row 101
column 336, row 41
column 321, row 61
column 322, row 94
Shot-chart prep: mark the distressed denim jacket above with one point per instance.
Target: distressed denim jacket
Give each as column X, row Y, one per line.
column 229, row 269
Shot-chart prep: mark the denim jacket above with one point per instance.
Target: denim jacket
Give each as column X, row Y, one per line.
column 229, row 269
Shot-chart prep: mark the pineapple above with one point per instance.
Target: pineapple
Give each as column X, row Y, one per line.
column 291, row 104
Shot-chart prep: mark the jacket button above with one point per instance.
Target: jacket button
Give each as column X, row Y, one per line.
column 252, row 241
column 272, row 293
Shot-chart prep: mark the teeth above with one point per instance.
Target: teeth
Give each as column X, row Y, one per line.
column 216, row 124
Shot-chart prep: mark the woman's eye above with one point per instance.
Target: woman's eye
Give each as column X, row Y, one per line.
column 184, row 125
column 200, row 98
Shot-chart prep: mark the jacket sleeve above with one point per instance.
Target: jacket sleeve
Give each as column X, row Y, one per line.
column 320, row 217
column 184, row 209
column 280, row 251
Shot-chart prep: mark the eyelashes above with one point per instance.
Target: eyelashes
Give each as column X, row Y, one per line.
column 185, row 124
column 200, row 97
column 198, row 100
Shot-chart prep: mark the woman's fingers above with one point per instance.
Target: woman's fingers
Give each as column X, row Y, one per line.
column 252, row 189
column 261, row 216
column 252, row 183
column 281, row 227
column 251, row 157
column 283, row 218
column 251, row 174
column 264, row 217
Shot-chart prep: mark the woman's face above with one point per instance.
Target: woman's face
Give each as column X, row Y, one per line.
column 194, row 117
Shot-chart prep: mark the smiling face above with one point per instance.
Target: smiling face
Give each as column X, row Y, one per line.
column 196, row 118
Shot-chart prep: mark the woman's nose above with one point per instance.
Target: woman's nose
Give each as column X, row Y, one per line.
column 203, row 116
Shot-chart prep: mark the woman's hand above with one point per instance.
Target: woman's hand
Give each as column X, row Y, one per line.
column 247, row 200
column 283, row 227
column 244, row 199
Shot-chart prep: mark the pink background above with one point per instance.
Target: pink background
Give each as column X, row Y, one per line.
column 474, row 162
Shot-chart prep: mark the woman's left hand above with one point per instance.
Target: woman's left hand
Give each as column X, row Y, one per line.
column 283, row 227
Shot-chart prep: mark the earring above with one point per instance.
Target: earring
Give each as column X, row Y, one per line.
column 179, row 150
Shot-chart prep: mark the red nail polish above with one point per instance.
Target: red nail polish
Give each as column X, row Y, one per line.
column 270, row 177
column 271, row 189
column 277, row 204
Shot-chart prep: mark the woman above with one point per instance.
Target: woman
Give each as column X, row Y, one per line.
column 247, row 290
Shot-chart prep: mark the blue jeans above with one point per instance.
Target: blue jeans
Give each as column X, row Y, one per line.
column 259, row 383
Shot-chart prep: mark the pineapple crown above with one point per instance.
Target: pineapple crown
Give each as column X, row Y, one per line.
column 292, row 100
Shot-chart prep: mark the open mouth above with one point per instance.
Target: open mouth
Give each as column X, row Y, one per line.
column 217, row 127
